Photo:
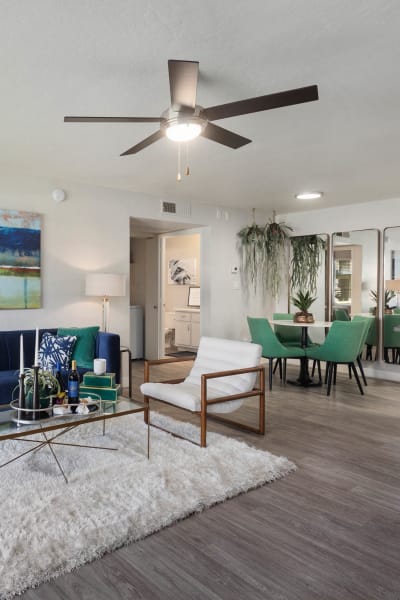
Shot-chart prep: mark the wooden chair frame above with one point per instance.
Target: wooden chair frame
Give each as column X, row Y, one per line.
column 205, row 402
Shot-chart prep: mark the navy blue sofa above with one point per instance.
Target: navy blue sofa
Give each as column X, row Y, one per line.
column 107, row 346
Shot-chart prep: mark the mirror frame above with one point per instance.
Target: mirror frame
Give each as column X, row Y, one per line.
column 381, row 295
column 379, row 261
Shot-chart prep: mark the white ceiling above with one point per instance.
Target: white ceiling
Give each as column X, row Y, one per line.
column 109, row 57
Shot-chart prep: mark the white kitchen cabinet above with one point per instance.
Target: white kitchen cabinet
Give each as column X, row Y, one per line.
column 187, row 328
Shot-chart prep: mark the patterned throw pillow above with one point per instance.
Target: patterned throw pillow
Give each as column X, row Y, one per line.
column 54, row 349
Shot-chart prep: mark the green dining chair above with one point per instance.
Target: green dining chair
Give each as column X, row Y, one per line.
column 372, row 340
column 391, row 337
column 340, row 314
column 262, row 333
column 341, row 347
column 368, row 323
column 289, row 336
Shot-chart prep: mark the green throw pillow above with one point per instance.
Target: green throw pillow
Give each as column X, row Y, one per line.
column 85, row 345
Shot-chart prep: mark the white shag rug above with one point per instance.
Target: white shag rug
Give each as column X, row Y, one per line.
column 113, row 498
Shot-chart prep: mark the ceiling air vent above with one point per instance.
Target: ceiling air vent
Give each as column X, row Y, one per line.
column 169, row 207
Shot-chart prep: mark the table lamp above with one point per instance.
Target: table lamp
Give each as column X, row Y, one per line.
column 105, row 285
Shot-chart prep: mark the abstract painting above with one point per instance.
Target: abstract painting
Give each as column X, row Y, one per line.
column 181, row 271
column 19, row 259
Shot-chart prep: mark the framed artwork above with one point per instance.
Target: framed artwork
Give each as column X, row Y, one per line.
column 20, row 285
column 181, row 271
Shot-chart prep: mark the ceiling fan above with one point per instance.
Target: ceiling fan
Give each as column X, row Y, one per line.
column 184, row 119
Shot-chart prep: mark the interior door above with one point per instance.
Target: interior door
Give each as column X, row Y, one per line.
column 153, row 299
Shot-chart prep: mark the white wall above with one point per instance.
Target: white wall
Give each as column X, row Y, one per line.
column 379, row 214
column 87, row 232
column 90, row 232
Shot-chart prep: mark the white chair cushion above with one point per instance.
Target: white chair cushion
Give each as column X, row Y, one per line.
column 214, row 354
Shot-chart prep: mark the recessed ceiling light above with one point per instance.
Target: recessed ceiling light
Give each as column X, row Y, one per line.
column 309, row 195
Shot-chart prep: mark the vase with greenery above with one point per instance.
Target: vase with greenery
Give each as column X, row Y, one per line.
column 48, row 387
column 306, row 261
column 387, row 297
column 303, row 301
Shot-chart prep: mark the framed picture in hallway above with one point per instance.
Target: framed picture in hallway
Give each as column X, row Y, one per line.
column 181, row 271
column 20, row 285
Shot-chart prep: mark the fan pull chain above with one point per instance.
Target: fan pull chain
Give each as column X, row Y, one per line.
column 187, row 170
column 179, row 176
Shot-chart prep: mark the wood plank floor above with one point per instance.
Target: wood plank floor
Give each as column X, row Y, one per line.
column 330, row 531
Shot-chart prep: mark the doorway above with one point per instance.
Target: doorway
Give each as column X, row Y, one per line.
column 181, row 292
column 164, row 266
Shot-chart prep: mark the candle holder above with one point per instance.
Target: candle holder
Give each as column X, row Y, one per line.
column 21, row 397
column 35, row 394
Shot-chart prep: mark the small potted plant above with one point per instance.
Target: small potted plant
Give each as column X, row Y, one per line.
column 388, row 296
column 303, row 301
column 48, row 387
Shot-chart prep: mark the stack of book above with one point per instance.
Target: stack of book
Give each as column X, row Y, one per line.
column 103, row 385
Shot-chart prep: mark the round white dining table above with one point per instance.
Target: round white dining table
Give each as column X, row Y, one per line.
column 304, row 378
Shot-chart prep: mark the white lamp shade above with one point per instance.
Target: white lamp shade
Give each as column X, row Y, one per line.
column 105, row 284
column 393, row 284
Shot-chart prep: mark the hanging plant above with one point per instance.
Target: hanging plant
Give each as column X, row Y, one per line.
column 263, row 254
column 307, row 255
column 276, row 238
column 251, row 250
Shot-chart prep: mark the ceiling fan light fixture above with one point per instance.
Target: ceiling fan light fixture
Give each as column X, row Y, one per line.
column 183, row 132
column 309, row 195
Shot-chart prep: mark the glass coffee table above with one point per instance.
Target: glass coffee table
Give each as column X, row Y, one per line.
column 16, row 424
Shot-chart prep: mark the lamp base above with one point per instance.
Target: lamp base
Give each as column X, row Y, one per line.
column 106, row 313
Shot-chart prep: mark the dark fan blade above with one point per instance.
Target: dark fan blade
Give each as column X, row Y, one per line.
column 154, row 137
column 113, row 119
column 244, row 107
column 183, row 76
column 223, row 136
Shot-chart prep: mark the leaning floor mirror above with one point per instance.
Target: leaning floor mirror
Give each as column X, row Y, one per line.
column 355, row 279
column 391, row 295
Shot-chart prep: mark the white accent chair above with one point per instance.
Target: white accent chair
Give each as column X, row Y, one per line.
column 223, row 374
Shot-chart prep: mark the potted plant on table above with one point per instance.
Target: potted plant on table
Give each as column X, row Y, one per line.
column 48, row 387
column 303, row 301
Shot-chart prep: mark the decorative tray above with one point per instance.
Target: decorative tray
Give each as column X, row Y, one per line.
column 29, row 416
